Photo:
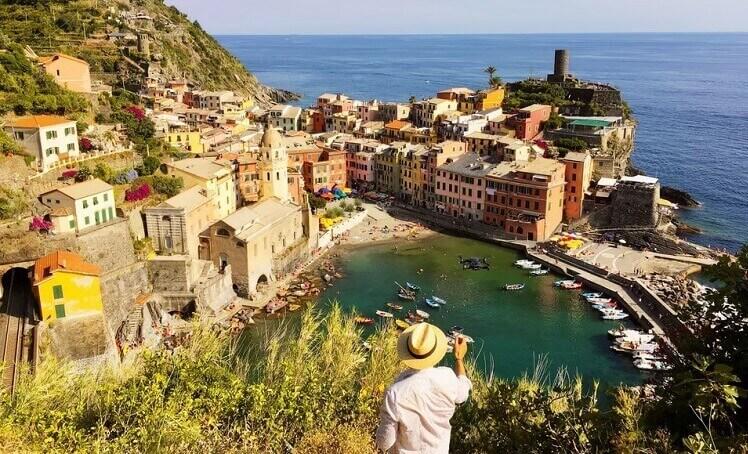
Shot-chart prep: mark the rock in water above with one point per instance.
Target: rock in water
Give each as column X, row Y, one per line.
column 682, row 198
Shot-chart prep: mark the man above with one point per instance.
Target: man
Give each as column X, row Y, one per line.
column 415, row 415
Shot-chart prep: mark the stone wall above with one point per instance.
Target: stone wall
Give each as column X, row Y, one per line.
column 635, row 205
column 109, row 245
column 120, row 290
column 170, row 274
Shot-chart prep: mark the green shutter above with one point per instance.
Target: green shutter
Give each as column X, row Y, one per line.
column 96, row 217
column 111, row 213
column 72, row 223
column 59, row 310
column 88, row 221
column 57, row 291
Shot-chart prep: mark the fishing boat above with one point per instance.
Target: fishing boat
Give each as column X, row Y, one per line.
column 384, row 314
column 402, row 324
column 572, row 286
column 394, row 306
column 638, row 337
column 645, row 364
column 423, row 314
column 562, row 282
column 438, row 300
column 360, row 320
column 592, row 295
column 632, row 347
column 406, row 296
column 432, row 303
column 622, row 331
column 539, row 272
column 275, row 305
column 616, row 316
column 523, row 262
column 599, row 300
column 413, row 287
column 514, row 286
column 456, row 329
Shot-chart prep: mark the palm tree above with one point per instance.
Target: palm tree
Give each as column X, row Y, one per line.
column 493, row 81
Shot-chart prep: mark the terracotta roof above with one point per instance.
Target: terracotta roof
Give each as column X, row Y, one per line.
column 50, row 58
column 82, row 190
column 37, row 121
column 397, row 124
column 62, row 260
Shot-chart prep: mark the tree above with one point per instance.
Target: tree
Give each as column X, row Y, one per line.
column 412, row 100
column 149, row 166
column 84, row 173
column 493, row 79
column 167, row 186
column 573, row 144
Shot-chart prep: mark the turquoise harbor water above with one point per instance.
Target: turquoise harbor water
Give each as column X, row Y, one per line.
column 512, row 330
column 689, row 93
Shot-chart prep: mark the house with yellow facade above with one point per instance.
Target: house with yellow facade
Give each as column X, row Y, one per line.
column 65, row 285
column 215, row 177
column 188, row 141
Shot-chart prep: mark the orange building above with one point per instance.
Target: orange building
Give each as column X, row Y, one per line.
column 329, row 170
column 69, row 72
column 526, row 200
column 578, row 176
column 296, row 187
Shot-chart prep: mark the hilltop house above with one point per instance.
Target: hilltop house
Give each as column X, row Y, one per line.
column 48, row 138
column 66, row 286
column 80, row 206
column 69, row 72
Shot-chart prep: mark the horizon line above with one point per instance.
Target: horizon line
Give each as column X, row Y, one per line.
column 489, row 33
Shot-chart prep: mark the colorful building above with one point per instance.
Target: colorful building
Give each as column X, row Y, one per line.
column 413, row 175
column 578, row 176
column 525, row 200
column 69, row 72
column 65, row 285
column 528, row 121
column 185, row 141
column 439, row 155
column 50, row 139
column 461, row 187
column 214, row 176
column 80, row 206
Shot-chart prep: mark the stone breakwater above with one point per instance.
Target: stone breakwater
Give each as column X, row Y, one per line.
column 676, row 291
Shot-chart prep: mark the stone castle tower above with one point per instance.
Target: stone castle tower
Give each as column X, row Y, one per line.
column 273, row 165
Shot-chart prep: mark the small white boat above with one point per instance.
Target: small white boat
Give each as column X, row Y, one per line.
column 534, row 266
column 639, row 337
column 451, row 339
column 438, row 300
column 649, row 356
column 618, row 316
column 523, row 262
column 384, row 314
column 592, row 295
column 632, row 347
column 514, row 286
column 432, row 303
column 563, row 282
column 622, row 331
column 645, row 364
column 539, row 272
column 422, row 314
column 606, row 307
column 599, row 300
column 413, row 287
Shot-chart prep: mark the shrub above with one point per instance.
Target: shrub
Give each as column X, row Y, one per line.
column 85, row 144
column 168, row 186
column 68, row 174
column 126, row 177
column 103, row 172
column 317, row 202
column 83, row 173
column 12, row 203
column 573, row 144
column 39, row 224
column 359, row 203
column 138, row 192
column 149, row 166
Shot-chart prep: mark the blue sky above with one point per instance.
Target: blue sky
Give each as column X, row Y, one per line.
column 465, row 16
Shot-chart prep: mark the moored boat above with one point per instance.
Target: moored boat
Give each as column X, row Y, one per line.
column 275, row 305
column 422, row 314
column 361, row 320
column 406, row 296
column 384, row 314
column 456, row 329
column 646, row 364
column 631, row 347
column 533, row 266
column 438, row 300
column 402, row 324
column 592, row 295
column 432, row 303
column 539, row 272
column 616, row 316
column 514, row 286
column 572, row 286
column 562, row 282
column 394, row 306
column 413, row 287
column 599, row 300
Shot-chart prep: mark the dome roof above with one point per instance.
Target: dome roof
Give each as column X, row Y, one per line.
column 271, row 139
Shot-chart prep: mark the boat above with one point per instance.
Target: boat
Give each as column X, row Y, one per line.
column 592, row 294
column 649, row 356
column 638, row 337
column 572, row 286
column 432, row 303
column 622, row 331
column 394, row 306
column 402, row 324
column 406, row 296
column 294, row 307
column 384, row 314
column 414, row 318
column 438, row 300
column 617, row 316
column 514, row 286
column 422, row 314
column 413, row 287
column 562, row 282
column 599, row 300
column 275, row 305
column 523, row 262
column 606, row 307
column 539, row 272
column 646, row 364
column 360, row 320
column 456, row 329
column 632, row 347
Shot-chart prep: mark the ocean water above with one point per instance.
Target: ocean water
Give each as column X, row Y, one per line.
column 513, row 331
column 689, row 93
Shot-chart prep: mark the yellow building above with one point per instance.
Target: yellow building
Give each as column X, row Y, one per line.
column 490, row 98
column 215, row 177
column 186, row 141
column 66, row 286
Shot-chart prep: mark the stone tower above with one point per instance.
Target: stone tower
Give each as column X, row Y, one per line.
column 273, row 165
column 560, row 67
column 144, row 45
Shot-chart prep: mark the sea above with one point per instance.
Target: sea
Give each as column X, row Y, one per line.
column 688, row 91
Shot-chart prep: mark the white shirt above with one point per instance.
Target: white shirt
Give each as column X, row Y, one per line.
column 415, row 414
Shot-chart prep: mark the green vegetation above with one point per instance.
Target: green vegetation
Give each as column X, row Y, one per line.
column 311, row 387
column 334, row 212
column 13, row 203
column 317, row 202
column 25, row 89
column 493, row 79
column 573, row 144
column 167, row 186
column 149, row 166
column 527, row 92
column 8, row 145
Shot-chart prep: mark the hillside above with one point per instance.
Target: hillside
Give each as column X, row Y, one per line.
column 105, row 33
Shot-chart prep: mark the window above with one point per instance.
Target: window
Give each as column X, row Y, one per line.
column 573, row 177
column 51, row 135
column 85, row 204
column 59, row 310
column 57, row 292
column 95, row 200
column 70, row 131
column 72, row 223
column 106, row 197
column 18, row 135
column 71, row 147
column 96, row 217
column 86, row 220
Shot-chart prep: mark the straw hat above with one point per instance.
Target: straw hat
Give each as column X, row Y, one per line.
column 421, row 346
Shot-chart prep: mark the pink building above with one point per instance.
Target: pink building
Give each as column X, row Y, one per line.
column 368, row 111
column 527, row 123
column 461, row 187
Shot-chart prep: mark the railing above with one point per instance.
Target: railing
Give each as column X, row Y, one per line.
column 83, row 157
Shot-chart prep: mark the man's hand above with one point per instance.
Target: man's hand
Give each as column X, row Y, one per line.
column 460, row 348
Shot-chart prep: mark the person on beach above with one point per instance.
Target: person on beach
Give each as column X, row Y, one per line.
column 415, row 414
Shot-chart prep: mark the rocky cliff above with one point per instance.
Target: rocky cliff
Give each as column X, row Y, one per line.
column 127, row 41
